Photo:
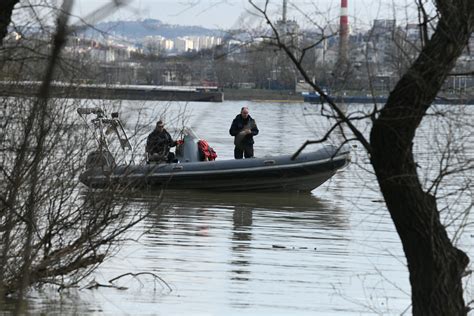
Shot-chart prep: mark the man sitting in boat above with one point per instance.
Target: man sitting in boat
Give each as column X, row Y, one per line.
column 243, row 128
column 158, row 144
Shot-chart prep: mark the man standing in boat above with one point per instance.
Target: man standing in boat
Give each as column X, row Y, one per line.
column 158, row 144
column 243, row 128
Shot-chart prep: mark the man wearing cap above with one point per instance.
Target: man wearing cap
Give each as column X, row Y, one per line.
column 158, row 144
column 243, row 128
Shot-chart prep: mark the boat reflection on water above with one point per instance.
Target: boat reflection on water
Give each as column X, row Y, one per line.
column 196, row 213
column 235, row 249
column 241, row 243
column 245, row 240
column 284, row 206
column 279, row 200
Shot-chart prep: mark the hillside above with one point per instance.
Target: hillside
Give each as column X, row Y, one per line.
column 137, row 30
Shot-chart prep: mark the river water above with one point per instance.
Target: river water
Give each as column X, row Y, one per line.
column 331, row 252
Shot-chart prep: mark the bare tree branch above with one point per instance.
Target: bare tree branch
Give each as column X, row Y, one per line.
column 6, row 10
column 302, row 71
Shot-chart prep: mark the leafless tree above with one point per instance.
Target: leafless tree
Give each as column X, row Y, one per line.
column 436, row 267
column 52, row 230
column 6, row 11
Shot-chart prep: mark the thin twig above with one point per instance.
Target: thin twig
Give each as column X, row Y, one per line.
column 141, row 273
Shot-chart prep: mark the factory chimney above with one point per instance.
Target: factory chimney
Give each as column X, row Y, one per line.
column 343, row 34
column 283, row 18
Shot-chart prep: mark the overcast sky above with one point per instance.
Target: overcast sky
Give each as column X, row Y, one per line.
column 227, row 14
column 207, row 13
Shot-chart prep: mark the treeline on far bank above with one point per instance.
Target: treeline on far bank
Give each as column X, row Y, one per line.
column 257, row 71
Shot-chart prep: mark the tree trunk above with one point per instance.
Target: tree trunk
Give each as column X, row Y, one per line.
column 436, row 267
column 6, row 10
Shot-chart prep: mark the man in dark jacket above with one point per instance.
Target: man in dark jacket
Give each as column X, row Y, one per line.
column 158, row 144
column 243, row 128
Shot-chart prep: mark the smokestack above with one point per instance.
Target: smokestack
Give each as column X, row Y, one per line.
column 343, row 33
column 283, row 18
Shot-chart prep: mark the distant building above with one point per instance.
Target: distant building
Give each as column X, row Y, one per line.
column 183, row 44
column 412, row 31
column 289, row 32
column 383, row 28
column 157, row 44
column 196, row 43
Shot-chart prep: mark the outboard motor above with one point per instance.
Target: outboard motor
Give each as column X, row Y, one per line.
column 189, row 151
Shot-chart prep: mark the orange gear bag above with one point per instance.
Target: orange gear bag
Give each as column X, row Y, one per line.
column 206, row 152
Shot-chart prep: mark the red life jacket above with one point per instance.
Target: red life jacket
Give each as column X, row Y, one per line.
column 206, row 152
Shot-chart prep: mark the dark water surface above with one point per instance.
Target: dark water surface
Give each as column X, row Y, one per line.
column 331, row 252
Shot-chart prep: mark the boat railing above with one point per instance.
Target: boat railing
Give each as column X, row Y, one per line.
column 103, row 125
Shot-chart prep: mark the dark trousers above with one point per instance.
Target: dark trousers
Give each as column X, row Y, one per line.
column 246, row 151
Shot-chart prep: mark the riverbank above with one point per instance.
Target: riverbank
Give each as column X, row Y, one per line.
column 261, row 95
column 286, row 96
column 368, row 99
column 197, row 94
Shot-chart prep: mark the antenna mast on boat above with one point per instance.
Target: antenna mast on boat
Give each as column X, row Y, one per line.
column 104, row 125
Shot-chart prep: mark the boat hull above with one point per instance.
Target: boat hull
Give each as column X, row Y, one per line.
column 277, row 173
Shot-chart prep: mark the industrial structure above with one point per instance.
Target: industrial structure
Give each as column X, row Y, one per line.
column 343, row 34
column 288, row 30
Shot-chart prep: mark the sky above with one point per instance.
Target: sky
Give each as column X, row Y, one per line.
column 227, row 14
column 208, row 13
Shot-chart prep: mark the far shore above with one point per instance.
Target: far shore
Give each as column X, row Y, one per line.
column 204, row 93
column 262, row 95
column 287, row 96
